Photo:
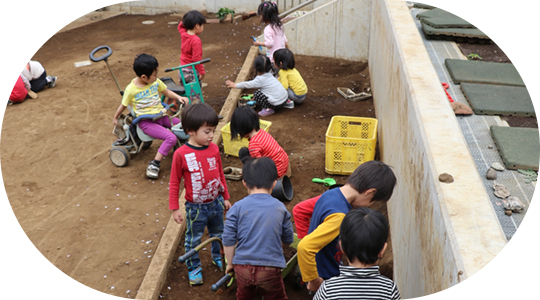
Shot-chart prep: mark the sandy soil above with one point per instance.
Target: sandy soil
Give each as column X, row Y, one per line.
column 101, row 224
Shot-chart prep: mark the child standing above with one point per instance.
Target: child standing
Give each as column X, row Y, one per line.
column 270, row 94
column 318, row 252
column 191, row 26
column 245, row 123
column 258, row 225
column 274, row 33
column 362, row 237
column 142, row 94
column 290, row 77
column 198, row 161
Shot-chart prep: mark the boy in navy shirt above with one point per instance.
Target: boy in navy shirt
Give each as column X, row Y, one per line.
column 258, row 225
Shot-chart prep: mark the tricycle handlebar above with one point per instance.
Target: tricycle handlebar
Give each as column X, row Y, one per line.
column 104, row 56
column 189, row 65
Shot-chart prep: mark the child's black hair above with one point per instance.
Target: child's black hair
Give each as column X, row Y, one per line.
column 259, row 173
column 270, row 14
column 197, row 115
column 284, row 59
column 244, row 120
column 363, row 233
column 374, row 174
column 193, row 18
column 145, row 64
column 262, row 64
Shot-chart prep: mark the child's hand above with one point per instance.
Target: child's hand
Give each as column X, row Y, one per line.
column 230, row 84
column 183, row 100
column 201, row 77
column 229, row 268
column 227, row 205
column 115, row 122
column 177, row 216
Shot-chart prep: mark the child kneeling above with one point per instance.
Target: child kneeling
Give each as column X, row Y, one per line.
column 362, row 238
column 258, row 225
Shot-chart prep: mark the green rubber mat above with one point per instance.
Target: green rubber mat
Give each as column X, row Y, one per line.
column 439, row 18
column 519, row 147
column 472, row 33
column 483, row 72
column 504, row 100
column 423, row 6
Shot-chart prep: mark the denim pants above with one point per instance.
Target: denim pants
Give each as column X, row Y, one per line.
column 294, row 97
column 199, row 216
column 266, row 280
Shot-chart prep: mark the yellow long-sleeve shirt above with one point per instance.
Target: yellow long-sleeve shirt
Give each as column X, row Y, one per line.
column 312, row 243
column 291, row 79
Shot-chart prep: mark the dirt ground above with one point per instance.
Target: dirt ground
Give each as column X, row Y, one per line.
column 101, row 224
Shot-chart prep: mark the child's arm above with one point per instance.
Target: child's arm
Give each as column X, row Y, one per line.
column 230, row 237
column 268, row 37
column 312, row 243
column 302, row 215
column 172, row 95
column 223, row 181
column 174, row 187
column 252, row 84
column 283, row 79
column 117, row 114
column 287, row 234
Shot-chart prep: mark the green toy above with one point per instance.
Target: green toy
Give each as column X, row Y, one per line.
column 326, row 181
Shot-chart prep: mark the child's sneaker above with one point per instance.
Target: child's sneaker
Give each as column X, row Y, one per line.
column 195, row 276
column 289, row 104
column 52, row 81
column 152, row 171
column 266, row 112
column 217, row 261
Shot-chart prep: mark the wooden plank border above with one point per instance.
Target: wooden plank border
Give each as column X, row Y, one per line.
column 156, row 274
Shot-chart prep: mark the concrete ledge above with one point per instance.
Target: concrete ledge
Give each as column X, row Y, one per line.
column 442, row 233
column 157, row 271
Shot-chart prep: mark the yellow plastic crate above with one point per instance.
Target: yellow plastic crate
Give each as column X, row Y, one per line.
column 350, row 142
column 232, row 147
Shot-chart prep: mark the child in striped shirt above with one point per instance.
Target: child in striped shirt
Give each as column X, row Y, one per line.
column 245, row 123
column 363, row 235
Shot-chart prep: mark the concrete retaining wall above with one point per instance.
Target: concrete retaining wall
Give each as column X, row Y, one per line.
column 151, row 7
column 442, row 233
column 338, row 29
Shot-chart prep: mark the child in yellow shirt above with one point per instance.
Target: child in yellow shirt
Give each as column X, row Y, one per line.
column 290, row 77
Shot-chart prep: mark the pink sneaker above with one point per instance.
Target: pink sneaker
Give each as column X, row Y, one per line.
column 266, row 112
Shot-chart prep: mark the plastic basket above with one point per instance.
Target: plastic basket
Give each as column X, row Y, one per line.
column 350, row 142
column 232, row 147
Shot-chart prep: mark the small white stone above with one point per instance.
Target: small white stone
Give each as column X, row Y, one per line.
column 497, row 166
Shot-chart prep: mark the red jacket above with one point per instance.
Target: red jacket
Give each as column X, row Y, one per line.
column 302, row 215
column 191, row 49
column 19, row 92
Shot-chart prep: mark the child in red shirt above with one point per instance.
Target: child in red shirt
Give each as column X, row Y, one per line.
column 245, row 123
column 198, row 161
column 191, row 26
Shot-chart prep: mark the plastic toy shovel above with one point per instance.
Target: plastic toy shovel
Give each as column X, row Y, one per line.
column 326, row 181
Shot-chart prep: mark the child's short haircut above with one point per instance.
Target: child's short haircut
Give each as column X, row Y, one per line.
column 193, row 18
column 363, row 233
column 259, row 173
column 145, row 64
column 374, row 174
column 197, row 115
column 244, row 120
column 284, row 59
column 262, row 64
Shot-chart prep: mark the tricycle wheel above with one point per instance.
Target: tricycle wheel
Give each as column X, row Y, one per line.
column 119, row 156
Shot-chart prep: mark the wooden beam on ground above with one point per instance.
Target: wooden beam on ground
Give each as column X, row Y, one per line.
column 232, row 100
column 155, row 276
column 157, row 271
